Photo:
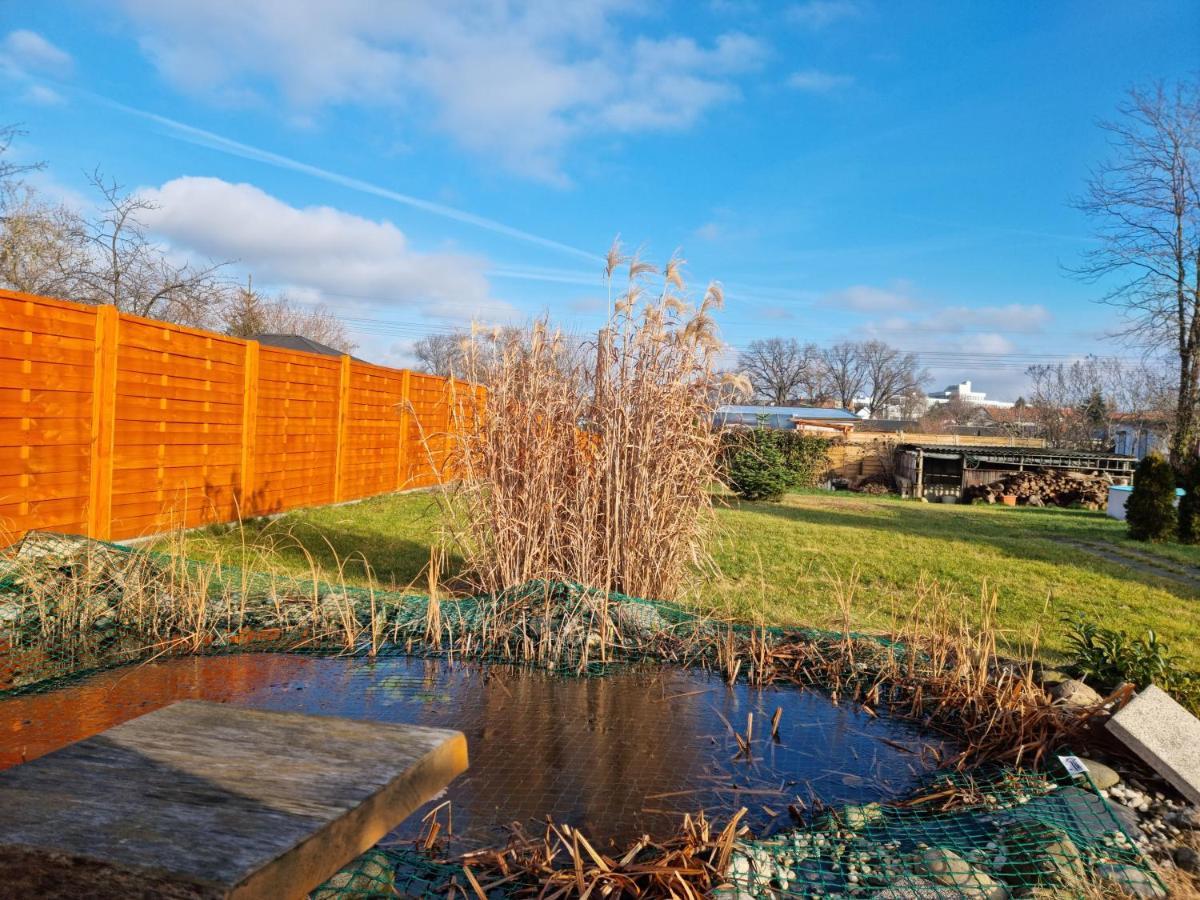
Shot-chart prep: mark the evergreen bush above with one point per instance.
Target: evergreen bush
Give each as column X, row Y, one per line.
column 1150, row 510
column 762, row 464
column 1189, row 504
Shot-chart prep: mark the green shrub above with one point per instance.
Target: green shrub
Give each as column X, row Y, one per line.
column 1189, row 504
column 762, row 464
column 1150, row 510
column 757, row 469
column 1108, row 657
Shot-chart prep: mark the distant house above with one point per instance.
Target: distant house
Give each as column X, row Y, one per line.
column 299, row 342
column 811, row 419
column 1137, row 435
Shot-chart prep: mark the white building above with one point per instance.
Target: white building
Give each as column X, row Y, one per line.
column 962, row 391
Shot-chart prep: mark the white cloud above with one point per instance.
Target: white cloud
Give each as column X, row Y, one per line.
column 815, row 81
column 867, row 299
column 709, row 231
column 1012, row 318
column 30, row 53
column 517, row 83
column 317, row 251
column 818, row 14
column 41, row 95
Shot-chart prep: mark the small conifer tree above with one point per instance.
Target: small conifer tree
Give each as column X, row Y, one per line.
column 1150, row 510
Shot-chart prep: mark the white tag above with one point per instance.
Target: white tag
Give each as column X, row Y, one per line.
column 1074, row 766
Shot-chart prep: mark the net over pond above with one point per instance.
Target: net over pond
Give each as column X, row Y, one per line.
column 618, row 756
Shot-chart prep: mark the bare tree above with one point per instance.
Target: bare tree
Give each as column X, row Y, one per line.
column 41, row 244
column 130, row 271
column 441, row 354
column 1146, row 205
column 248, row 313
column 845, row 373
column 781, row 370
column 890, row 374
column 9, row 170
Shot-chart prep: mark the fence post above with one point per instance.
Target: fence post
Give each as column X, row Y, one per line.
column 249, row 430
column 104, row 410
column 402, row 452
column 342, row 421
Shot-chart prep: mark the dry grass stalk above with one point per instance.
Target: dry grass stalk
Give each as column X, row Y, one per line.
column 67, row 605
column 563, row 863
column 591, row 460
column 937, row 668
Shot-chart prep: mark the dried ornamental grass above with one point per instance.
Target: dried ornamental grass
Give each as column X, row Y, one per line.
column 591, row 460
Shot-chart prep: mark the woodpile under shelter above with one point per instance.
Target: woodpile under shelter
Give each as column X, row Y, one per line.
column 934, row 471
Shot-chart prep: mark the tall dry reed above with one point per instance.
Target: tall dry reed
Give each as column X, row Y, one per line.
column 591, row 460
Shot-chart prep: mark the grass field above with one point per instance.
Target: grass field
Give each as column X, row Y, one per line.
column 790, row 562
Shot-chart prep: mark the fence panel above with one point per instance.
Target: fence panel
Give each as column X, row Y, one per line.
column 116, row 426
column 47, row 360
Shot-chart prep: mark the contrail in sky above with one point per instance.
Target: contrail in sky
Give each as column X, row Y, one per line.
column 213, row 141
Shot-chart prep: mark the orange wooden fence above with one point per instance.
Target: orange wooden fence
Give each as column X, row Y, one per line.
column 116, row 426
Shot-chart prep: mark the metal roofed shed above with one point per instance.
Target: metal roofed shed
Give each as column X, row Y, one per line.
column 935, row 471
column 814, row 419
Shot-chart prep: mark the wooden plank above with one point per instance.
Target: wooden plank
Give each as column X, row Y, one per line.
column 249, row 430
column 343, row 420
column 104, row 369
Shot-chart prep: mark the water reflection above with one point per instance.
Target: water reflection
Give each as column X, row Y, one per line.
column 618, row 756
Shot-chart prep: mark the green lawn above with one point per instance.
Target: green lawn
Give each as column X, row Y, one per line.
column 785, row 561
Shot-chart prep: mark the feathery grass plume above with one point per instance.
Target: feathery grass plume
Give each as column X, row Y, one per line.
column 590, row 460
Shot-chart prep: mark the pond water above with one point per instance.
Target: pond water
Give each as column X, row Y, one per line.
column 617, row 756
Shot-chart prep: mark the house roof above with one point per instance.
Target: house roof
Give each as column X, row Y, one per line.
column 299, row 342
column 748, row 414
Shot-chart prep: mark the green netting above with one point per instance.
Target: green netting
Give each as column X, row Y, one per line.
column 993, row 834
column 69, row 606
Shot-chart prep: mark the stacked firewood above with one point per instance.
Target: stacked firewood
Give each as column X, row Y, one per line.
column 1046, row 487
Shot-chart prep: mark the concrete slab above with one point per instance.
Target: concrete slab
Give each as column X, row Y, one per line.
column 207, row 800
column 1166, row 737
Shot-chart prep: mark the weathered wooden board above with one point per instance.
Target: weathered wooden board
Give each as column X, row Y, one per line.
column 206, row 800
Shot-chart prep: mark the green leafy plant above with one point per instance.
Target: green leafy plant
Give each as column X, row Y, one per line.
column 1150, row 510
column 1108, row 657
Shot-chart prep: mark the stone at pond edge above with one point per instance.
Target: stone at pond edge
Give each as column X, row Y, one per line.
column 371, row 875
column 1102, row 776
column 1187, row 859
column 1037, row 853
column 1074, row 692
column 910, row 887
column 859, row 817
column 948, row 868
column 1130, row 879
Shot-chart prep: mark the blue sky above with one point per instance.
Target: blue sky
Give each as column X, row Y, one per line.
column 844, row 167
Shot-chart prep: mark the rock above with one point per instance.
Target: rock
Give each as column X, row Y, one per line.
column 1052, row 676
column 1034, row 500
column 1037, row 853
column 1102, row 776
column 10, row 614
column 948, row 868
column 1074, row 692
column 1130, row 879
column 371, row 875
column 910, row 887
column 1187, row 859
column 858, row 817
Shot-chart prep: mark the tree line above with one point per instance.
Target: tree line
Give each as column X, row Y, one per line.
column 783, row 372
column 107, row 255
